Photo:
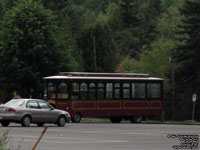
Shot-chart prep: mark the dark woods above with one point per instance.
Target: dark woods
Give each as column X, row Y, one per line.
column 43, row 37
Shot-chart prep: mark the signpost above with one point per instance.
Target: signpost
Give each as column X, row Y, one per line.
column 194, row 98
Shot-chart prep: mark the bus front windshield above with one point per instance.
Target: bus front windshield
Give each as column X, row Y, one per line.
column 51, row 88
column 57, row 90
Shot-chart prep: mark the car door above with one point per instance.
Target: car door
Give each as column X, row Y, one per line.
column 49, row 115
column 34, row 110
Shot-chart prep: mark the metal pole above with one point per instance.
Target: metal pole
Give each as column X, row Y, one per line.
column 173, row 89
column 193, row 110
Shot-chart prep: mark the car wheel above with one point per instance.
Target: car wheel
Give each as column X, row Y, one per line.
column 77, row 118
column 40, row 124
column 26, row 121
column 5, row 123
column 61, row 121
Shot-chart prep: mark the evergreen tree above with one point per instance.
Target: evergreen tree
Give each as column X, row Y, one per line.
column 55, row 5
column 114, row 17
column 188, row 53
column 187, row 56
column 5, row 5
column 1, row 9
column 150, row 18
column 99, row 51
column 128, row 37
column 129, row 12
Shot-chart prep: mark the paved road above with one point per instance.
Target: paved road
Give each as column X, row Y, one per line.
column 100, row 136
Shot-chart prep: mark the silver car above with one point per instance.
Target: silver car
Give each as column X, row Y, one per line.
column 27, row 111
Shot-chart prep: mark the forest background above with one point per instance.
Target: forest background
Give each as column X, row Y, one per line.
column 39, row 38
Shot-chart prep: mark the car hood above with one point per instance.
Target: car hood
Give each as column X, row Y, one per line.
column 62, row 112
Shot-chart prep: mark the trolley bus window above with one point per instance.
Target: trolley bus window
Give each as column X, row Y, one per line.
column 51, row 90
column 100, row 91
column 138, row 90
column 153, row 90
column 117, row 90
column 126, row 90
column 92, row 91
column 63, row 91
column 83, row 91
column 109, row 90
column 75, row 90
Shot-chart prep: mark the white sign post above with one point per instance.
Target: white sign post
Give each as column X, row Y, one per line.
column 194, row 98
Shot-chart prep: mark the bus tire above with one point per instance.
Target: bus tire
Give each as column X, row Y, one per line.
column 77, row 118
column 115, row 119
column 136, row 119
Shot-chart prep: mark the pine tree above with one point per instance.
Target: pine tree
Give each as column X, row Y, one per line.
column 128, row 37
column 188, row 52
column 99, row 51
column 149, row 24
column 129, row 12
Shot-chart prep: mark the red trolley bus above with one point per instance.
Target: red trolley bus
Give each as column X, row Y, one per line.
column 112, row 95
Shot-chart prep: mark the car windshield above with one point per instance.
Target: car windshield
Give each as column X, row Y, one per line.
column 14, row 102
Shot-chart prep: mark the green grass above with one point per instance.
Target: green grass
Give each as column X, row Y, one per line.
column 95, row 120
column 148, row 121
column 175, row 122
column 3, row 140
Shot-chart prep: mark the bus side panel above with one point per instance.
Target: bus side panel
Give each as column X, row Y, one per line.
column 109, row 105
column 104, row 108
column 84, row 105
column 136, row 105
column 156, row 107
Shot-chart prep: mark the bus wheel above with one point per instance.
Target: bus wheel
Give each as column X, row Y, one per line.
column 77, row 118
column 115, row 119
column 136, row 119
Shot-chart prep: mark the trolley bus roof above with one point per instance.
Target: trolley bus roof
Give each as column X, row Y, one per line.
column 92, row 74
column 99, row 78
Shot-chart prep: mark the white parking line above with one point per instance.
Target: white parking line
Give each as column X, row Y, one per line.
column 25, row 138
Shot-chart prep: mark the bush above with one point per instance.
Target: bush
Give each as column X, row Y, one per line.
column 3, row 140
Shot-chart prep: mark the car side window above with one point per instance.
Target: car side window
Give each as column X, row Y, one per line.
column 44, row 105
column 32, row 105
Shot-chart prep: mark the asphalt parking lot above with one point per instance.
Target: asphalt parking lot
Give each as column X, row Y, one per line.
column 100, row 136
